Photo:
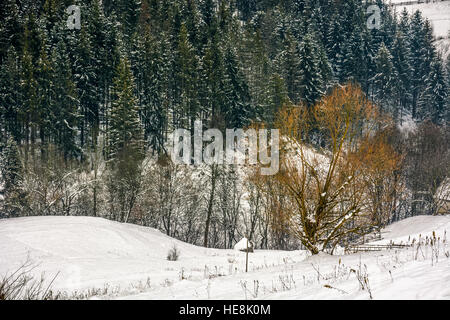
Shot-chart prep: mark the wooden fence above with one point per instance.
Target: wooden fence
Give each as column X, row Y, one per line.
column 372, row 247
column 410, row 2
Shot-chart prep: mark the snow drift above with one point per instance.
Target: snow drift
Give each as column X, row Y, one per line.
column 93, row 252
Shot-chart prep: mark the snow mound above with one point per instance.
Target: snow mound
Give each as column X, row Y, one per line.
column 242, row 245
column 414, row 227
column 88, row 252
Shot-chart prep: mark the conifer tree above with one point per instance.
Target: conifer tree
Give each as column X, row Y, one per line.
column 185, row 63
column 104, row 56
column 433, row 99
column 64, row 107
column 447, row 68
column 156, row 62
column 125, row 133
column 86, row 80
column 256, row 66
column 211, row 85
column 446, row 114
column 311, row 78
column 278, row 98
column 126, row 151
column 28, row 90
column 10, row 27
column 237, row 110
column 209, row 19
column 400, row 60
column 11, row 175
column 416, row 59
column 44, row 74
column 385, row 77
column 10, row 98
column 288, row 62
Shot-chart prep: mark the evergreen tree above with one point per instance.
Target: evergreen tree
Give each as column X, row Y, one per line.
column 325, row 68
column 44, row 79
column 193, row 20
column 211, row 85
column 10, row 98
column 433, row 99
column 447, row 68
column 237, row 110
column 155, row 101
column 126, row 13
column 103, row 60
column 125, row 144
column 446, row 114
column 404, row 23
column 209, row 19
column 125, row 133
column 288, row 64
column 64, row 107
column 256, row 66
column 384, row 78
column 416, row 58
column 11, row 166
column 311, row 78
column 278, row 98
column 28, row 90
column 185, row 82
column 247, row 8
column 11, row 175
column 10, row 27
column 400, row 60
column 428, row 50
column 86, row 80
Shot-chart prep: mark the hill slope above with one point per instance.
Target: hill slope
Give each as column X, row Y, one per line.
column 92, row 252
column 438, row 12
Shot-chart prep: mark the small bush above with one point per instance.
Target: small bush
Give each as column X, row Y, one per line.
column 173, row 254
column 22, row 285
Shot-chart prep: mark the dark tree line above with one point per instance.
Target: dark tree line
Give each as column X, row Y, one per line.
column 137, row 69
column 227, row 62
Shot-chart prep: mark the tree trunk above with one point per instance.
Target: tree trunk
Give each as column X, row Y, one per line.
column 210, row 204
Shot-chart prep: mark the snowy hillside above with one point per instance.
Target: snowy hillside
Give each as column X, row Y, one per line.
column 129, row 261
column 92, row 252
column 438, row 12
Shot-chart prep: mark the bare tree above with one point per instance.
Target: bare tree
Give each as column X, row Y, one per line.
column 326, row 198
column 427, row 165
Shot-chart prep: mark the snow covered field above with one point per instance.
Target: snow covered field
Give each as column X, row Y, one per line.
column 125, row 261
column 437, row 12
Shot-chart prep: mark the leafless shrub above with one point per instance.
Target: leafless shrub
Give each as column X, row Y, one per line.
column 183, row 274
column 363, row 278
column 22, row 285
column 167, row 283
column 173, row 254
column 254, row 293
column 337, row 289
column 141, row 286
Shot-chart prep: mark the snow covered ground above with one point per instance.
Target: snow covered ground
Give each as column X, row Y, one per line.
column 125, row 261
column 438, row 12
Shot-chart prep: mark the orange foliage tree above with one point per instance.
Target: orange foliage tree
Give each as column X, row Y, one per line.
column 326, row 193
